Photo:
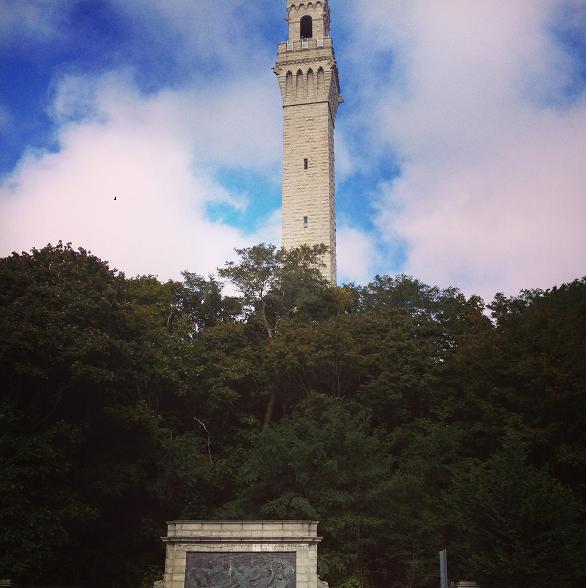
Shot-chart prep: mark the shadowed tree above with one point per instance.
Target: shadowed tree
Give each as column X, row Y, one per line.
column 276, row 284
column 327, row 463
column 515, row 525
column 82, row 369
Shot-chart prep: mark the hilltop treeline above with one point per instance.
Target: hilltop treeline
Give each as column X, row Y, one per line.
column 399, row 415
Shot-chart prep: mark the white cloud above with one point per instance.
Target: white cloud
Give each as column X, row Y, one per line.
column 491, row 194
column 158, row 156
column 346, row 162
column 25, row 21
column 472, row 103
column 228, row 34
column 269, row 230
column 357, row 255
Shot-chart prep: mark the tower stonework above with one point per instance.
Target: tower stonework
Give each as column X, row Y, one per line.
column 308, row 79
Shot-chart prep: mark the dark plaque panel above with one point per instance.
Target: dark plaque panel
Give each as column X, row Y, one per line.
column 240, row 570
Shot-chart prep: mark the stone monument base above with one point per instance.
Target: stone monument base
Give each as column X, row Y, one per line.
column 238, row 554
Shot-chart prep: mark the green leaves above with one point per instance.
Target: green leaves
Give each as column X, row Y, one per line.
column 275, row 284
column 38, row 505
column 515, row 525
column 325, row 462
column 378, row 410
column 82, row 365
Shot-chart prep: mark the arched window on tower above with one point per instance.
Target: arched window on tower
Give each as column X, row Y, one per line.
column 306, row 27
column 299, row 86
column 320, row 81
column 310, row 83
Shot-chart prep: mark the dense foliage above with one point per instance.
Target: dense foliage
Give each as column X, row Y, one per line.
column 404, row 417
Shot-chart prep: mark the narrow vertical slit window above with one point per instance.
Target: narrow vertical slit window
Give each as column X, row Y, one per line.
column 305, row 222
column 306, row 163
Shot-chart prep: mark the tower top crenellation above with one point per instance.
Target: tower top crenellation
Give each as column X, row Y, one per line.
column 308, row 20
column 306, row 3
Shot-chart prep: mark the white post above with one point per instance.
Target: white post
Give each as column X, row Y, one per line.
column 443, row 555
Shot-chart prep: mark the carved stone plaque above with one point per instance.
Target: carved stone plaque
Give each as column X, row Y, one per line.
column 240, row 570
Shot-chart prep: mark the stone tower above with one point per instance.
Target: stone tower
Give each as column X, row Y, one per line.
column 308, row 78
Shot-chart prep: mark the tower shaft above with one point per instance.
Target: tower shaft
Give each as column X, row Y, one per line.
column 308, row 79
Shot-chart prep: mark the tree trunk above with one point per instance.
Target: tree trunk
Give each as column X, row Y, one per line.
column 269, row 411
column 265, row 320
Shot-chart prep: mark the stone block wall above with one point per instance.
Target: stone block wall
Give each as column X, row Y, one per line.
column 250, row 537
column 309, row 194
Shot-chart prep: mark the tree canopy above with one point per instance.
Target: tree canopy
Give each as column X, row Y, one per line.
column 405, row 417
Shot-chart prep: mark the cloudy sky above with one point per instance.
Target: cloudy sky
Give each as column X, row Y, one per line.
column 460, row 148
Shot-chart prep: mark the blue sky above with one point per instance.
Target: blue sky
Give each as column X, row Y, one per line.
column 460, row 148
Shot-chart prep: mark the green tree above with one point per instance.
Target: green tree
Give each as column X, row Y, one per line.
column 128, row 402
column 276, row 284
column 515, row 525
column 82, row 370
column 326, row 462
column 525, row 372
column 202, row 301
column 448, row 309
column 39, row 507
column 541, row 346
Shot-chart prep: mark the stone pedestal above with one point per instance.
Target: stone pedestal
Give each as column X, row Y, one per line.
column 273, row 554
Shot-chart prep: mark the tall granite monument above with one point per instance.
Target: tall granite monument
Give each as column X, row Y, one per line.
column 308, row 79
column 279, row 554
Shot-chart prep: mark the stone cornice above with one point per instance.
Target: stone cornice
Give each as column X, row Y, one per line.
column 263, row 540
column 304, row 103
column 285, row 65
